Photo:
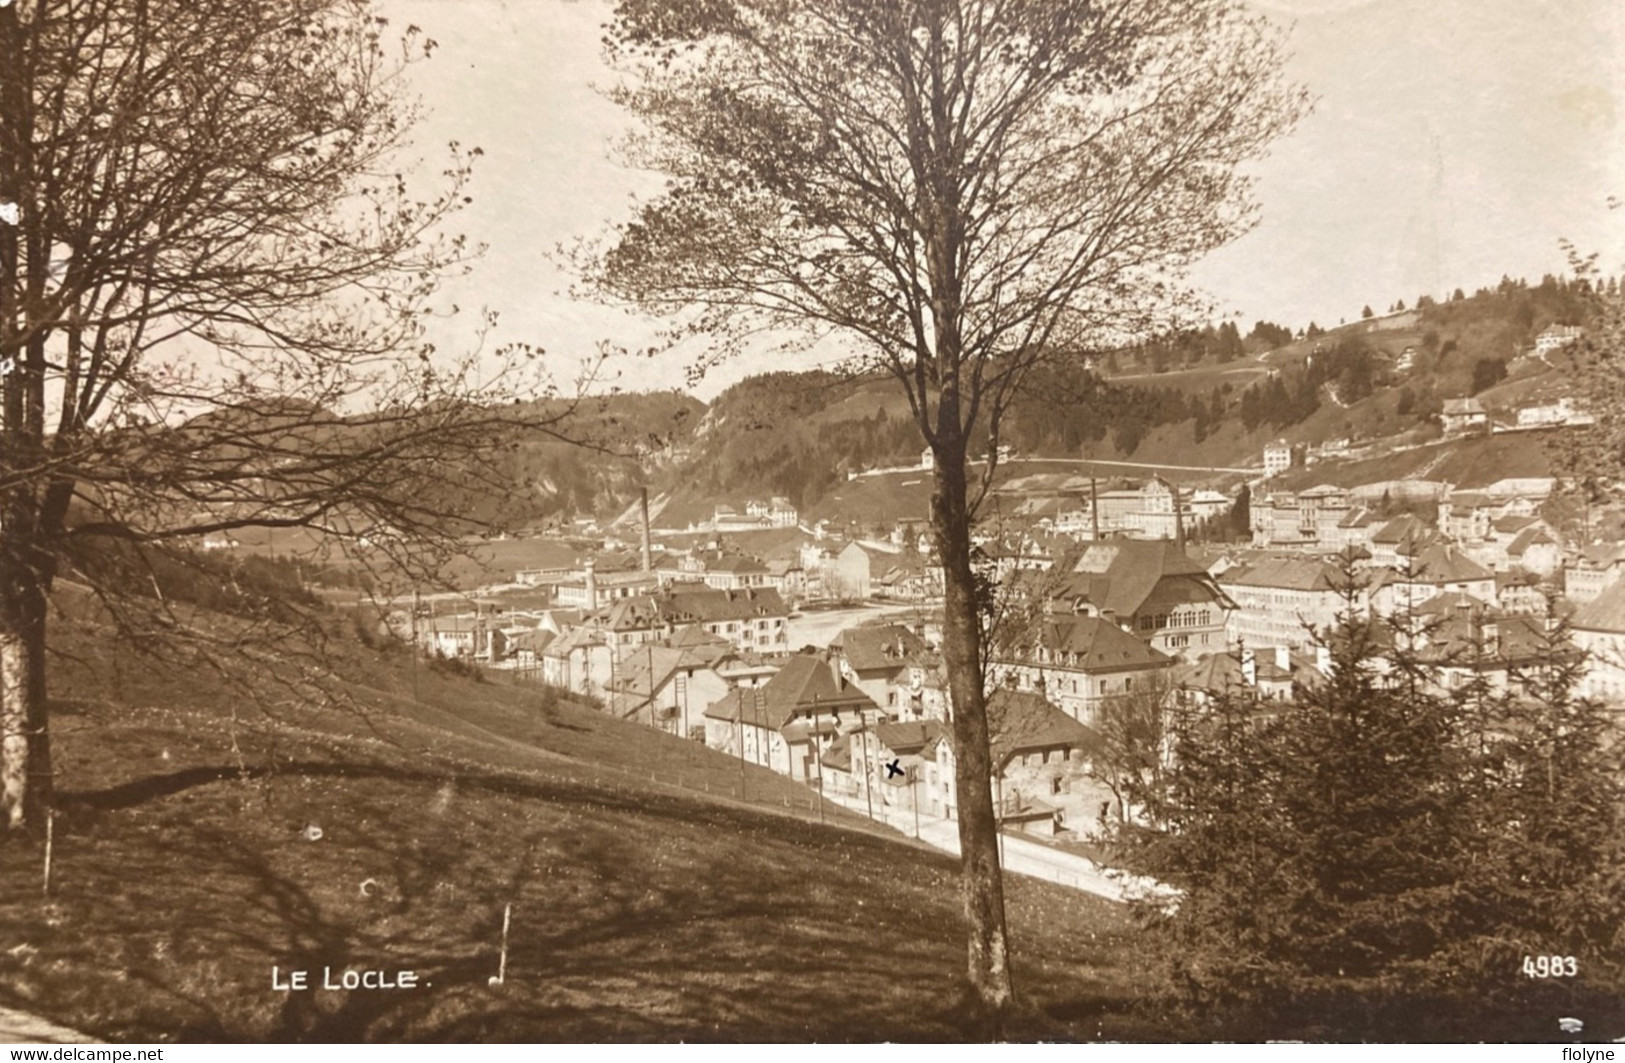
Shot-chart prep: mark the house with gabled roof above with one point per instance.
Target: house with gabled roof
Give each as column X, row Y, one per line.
column 1519, row 593
column 1457, row 640
column 888, row 661
column 788, row 722
column 894, row 758
column 1285, row 601
column 1598, row 629
column 1436, row 569
column 1589, row 571
column 1400, row 539
column 580, row 661
column 724, row 571
column 1463, row 415
column 1307, row 520
column 1041, row 763
column 667, row 685
column 1076, row 661
column 1535, row 549
column 1149, row 587
column 1271, row 674
column 1555, row 337
column 754, row 619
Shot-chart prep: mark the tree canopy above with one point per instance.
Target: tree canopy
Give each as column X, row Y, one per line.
column 213, row 292
column 957, row 192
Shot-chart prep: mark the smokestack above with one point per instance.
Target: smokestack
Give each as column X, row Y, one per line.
column 1179, row 518
column 592, row 586
column 648, row 552
column 1094, row 511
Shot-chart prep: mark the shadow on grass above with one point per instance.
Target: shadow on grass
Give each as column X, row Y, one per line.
column 639, row 916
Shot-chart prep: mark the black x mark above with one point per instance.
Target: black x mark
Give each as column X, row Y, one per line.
column 892, row 769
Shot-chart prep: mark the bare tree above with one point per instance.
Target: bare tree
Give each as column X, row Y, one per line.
column 955, row 191
column 1135, row 745
column 214, row 282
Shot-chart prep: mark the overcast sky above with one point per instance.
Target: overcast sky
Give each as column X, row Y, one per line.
column 1453, row 141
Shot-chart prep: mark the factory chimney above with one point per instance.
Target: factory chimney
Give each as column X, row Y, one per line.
column 648, row 552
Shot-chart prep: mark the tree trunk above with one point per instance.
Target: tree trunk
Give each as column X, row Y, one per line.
column 14, row 743
column 26, row 787
column 981, row 882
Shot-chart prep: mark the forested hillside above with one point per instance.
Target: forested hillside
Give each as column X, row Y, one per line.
column 1215, row 388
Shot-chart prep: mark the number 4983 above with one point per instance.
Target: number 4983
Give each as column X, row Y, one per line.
column 1550, row 966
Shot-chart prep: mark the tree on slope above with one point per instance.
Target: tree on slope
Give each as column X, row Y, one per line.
column 213, row 283
column 955, row 191
column 1386, row 857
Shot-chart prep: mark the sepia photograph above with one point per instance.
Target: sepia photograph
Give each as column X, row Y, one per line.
column 812, row 521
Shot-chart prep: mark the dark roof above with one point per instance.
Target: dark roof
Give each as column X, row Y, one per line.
column 1120, row 576
column 808, row 683
column 1219, row 672
column 1100, row 644
column 1407, row 529
column 1448, row 603
column 630, row 614
column 1603, row 555
column 1301, row 574
column 536, row 640
column 1512, row 523
column 909, row 737
column 1605, row 612
column 838, row 756
column 710, row 606
column 1359, row 517
column 1529, row 537
column 738, row 564
column 1025, row 722
column 1488, row 642
column 693, row 636
column 1441, row 563
column 805, row 685
column 880, row 648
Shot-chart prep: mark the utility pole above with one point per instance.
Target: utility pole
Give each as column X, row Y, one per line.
column 914, row 789
column 741, row 720
column 416, row 606
column 818, row 760
column 868, row 782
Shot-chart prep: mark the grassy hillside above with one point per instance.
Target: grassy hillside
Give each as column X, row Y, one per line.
column 642, row 908
column 1472, row 461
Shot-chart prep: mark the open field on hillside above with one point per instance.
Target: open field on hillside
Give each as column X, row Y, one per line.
column 1471, row 461
column 642, row 909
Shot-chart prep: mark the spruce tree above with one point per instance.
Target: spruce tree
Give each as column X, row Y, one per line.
column 1394, row 857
